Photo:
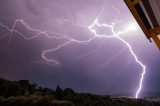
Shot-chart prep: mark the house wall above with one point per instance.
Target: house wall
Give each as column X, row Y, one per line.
column 155, row 4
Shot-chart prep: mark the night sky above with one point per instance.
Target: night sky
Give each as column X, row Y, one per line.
column 108, row 69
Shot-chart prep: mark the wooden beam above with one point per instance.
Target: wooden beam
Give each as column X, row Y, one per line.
column 156, row 40
column 149, row 32
column 137, row 17
column 155, row 30
column 135, row 2
column 150, row 12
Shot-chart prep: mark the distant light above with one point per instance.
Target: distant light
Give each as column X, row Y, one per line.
column 132, row 27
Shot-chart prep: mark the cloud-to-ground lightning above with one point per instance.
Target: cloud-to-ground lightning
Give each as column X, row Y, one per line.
column 117, row 35
column 68, row 40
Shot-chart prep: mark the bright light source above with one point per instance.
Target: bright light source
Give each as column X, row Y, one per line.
column 132, row 27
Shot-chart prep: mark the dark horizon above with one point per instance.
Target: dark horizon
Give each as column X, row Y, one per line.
column 144, row 95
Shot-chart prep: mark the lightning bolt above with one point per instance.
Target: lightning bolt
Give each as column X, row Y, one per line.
column 69, row 40
column 47, row 34
column 117, row 35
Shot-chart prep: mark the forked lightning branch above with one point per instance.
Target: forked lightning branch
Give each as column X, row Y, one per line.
column 91, row 28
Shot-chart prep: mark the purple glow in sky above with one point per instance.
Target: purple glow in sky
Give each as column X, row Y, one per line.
column 86, row 63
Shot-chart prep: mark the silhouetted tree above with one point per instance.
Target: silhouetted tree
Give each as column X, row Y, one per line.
column 40, row 89
column 3, row 87
column 59, row 93
column 68, row 91
column 48, row 91
column 32, row 88
column 24, row 83
column 14, row 89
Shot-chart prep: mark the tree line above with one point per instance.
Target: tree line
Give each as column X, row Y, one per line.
column 24, row 93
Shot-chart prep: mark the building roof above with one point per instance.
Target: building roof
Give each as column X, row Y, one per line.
column 147, row 14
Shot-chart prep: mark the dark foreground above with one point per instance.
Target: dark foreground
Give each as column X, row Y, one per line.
column 22, row 93
column 76, row 100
